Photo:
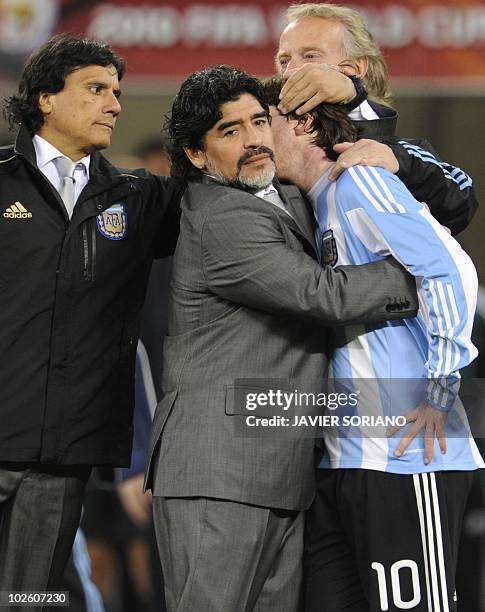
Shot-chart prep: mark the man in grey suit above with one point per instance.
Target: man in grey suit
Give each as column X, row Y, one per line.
column 249, row 301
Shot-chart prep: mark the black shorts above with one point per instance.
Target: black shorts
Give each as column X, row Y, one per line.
column 384, row 542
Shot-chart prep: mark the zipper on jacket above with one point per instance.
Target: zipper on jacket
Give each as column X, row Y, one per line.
column 93, row 249
column 89, row 250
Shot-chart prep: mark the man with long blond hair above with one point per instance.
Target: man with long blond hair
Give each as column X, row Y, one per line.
column 362, row 55
column 326, row 53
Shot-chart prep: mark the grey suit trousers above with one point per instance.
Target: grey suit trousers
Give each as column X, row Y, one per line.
column 226, row 556
column 40, row 507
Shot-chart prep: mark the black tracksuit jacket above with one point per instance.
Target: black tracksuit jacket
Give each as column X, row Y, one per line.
column 70, row 300
column 447, row 190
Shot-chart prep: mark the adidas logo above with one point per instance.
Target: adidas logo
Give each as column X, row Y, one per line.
column 17, row 211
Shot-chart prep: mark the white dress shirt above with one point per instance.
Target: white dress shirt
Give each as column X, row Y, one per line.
column 271, row 194
column 46, row 153
column 363, row 111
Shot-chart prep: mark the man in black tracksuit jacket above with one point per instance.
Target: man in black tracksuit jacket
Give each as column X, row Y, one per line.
column 70, row 306
column 71, row 292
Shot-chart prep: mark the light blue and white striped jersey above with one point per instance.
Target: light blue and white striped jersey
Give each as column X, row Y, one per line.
column 364, row 216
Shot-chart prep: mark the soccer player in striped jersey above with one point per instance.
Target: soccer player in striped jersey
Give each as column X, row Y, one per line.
column 383, row 531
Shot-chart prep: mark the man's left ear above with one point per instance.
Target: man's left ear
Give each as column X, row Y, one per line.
column 355, row 67
column 196, row 156
column 305, row 125
column 361, row 66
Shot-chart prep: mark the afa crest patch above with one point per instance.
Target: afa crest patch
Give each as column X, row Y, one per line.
column 329, row 248
column 113, row 222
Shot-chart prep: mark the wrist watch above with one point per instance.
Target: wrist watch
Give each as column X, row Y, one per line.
column 361, row 95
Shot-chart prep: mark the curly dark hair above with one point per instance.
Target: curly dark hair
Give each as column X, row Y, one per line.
column 196, row 109
column 46, row 70
column 331, row 122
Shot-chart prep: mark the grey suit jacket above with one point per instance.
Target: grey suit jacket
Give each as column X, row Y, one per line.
column 249, row 299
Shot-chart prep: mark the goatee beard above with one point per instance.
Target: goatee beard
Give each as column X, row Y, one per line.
column 256, row 182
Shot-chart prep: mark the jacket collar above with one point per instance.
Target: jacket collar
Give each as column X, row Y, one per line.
column 299, row 209
column 102, row 175
column 382, row 129
column 24, row 145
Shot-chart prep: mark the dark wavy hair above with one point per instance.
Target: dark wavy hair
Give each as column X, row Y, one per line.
column 46, row 70
column 196, row 109
column 331, row 123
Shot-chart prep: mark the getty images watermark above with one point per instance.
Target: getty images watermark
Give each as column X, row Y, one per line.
column 285, row 400
column 351, row 407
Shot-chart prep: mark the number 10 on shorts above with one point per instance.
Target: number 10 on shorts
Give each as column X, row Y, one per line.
column 395, row 571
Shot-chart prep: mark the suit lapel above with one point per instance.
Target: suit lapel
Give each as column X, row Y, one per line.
column 301, row 219
column 300, row 210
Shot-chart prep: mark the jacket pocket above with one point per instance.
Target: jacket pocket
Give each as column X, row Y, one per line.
column 162, row 413
column 246, row 396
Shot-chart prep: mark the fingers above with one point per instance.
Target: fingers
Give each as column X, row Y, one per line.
column 312, row 84
column 341, row 163
column 441, row 435
column 297, row 90
column 428, row 442
column 312, row 102
column 365, row 153
column 293, row 81
column 298, row 96
column 409, row 416
column 348, row 162
column 339, row 166
column 432, row 421
column 350, row 155
column 408, row 438
column 435, row 428
column 341, row 147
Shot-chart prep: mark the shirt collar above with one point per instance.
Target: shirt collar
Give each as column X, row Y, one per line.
column 262, row 193
column 46, row 152
column 363, row 111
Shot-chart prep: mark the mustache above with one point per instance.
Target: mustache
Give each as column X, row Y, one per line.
column 251, row 153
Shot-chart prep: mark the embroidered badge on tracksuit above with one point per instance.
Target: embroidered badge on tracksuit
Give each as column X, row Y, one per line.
column 113, row 222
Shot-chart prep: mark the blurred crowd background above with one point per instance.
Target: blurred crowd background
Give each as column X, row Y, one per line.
column 435, row 51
